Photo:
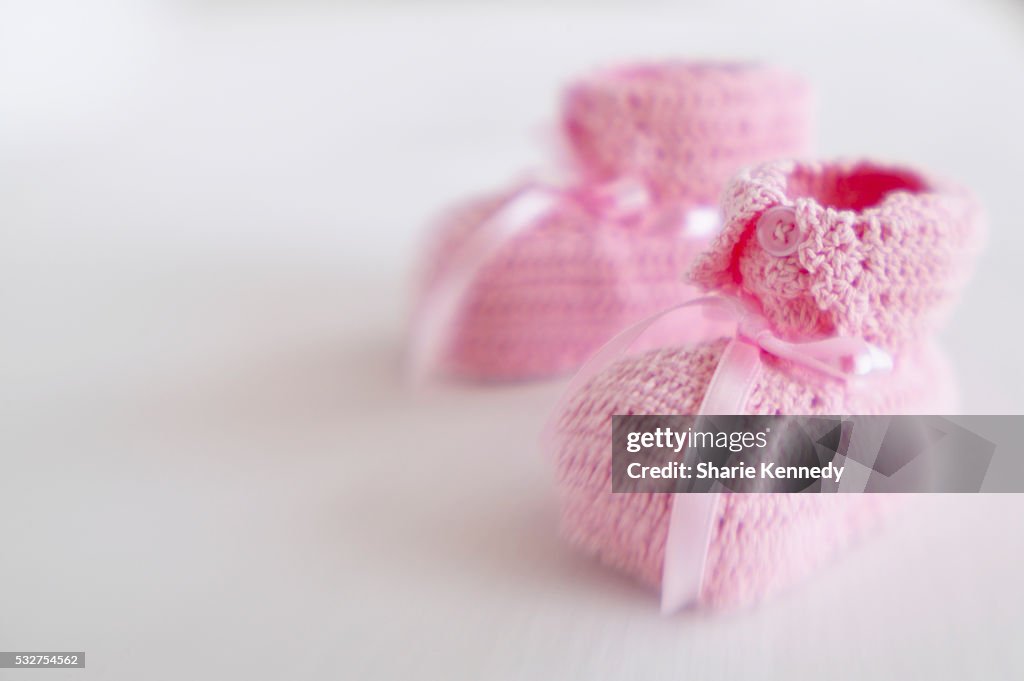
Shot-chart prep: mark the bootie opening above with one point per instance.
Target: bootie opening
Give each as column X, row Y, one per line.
column 852, row 188
column 849, row 248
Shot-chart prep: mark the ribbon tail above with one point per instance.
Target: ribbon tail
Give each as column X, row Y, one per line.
column 692, row 517
column 827, row 356
column 442, row 305
column 686, row 547
column 734, row 376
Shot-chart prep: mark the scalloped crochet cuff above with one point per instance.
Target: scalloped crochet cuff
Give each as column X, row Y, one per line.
column 851, row 248
column 686, row 127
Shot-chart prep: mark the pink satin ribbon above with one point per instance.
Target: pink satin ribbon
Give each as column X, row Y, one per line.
column 624, row 200
column 692, row 515
column 437, row 313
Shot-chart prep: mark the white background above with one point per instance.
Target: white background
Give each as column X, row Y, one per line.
column 212, row 468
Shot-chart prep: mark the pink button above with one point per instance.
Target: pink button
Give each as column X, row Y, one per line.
column 778, row 232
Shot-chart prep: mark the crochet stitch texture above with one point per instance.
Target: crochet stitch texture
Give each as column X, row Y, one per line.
column 884, row 252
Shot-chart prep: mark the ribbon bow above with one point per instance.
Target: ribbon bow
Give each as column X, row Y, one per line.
column 690, row 522
column 624, row 200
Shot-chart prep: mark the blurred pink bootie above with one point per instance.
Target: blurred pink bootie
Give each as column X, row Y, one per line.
column 529, row 282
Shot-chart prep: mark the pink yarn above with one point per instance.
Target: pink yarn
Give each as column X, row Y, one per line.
column 883, row 253
column 686, row 127
column 558, row 290
column 886, row 249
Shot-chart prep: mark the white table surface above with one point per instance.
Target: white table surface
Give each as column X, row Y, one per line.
column 212, row 468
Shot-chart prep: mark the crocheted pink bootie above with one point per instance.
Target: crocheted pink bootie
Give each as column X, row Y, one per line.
column 529, row 282
column 849, row 249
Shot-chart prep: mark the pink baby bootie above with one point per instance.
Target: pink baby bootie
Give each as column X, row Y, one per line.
column 528, row 282
column 838, row 274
